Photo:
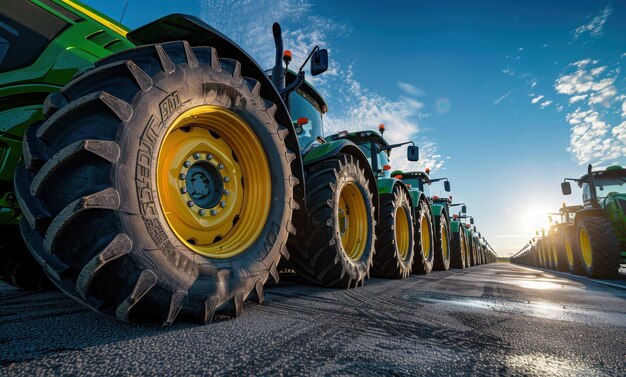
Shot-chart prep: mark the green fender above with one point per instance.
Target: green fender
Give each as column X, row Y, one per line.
column 436, row 209
column 386, row 185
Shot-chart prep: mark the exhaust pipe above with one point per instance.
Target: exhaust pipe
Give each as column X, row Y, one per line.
column 278, row 72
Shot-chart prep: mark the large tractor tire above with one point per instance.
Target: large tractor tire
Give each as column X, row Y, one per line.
column 395, row 242
column 540, row 254
column 17, row 266
column 572, row 254
column 337, row 247
column 159, row 185
column 599, row 247
column 561, row 257
column 424, row 245
column 442, row 243
column 457, row 250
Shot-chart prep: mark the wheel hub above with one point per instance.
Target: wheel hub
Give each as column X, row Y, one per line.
column 204, row 184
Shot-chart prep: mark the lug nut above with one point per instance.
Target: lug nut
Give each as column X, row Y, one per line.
column 222, row 204
column 191, row 203
column 182, row 176
column 196, row 156
column 226, row 192
column 201, row 212
column 209, row 156
column 226, row 179
column 186, row 164
column 213, row 212
column 183, row 190
column 220, row 166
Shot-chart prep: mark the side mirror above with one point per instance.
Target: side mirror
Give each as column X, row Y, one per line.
column 566, row 188
column 319, row 62
column 463, row 209
column 472, row 220
column 446, row 186
column 413, row 153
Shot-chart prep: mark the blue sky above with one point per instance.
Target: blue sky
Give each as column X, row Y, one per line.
column 503, row 98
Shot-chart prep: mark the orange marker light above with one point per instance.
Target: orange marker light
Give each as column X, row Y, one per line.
column 455, row 216
column 398, row 176
column 387, row 167
column 427, row 170
column 302, row 121
column 287, row 56
column 381, row 128
column 435, row 197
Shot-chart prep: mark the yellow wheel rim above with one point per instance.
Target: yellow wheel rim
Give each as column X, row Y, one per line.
column 353, row 220
column 568, row 252
column 585, row 247
column 213, row 182
column 425, row 237
column 444, row 243
column 403, row 236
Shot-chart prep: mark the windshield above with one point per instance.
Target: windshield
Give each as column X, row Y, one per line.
column 604, row 186
column 418, row 184
column 383, row 158
column 568, row 218
column 303, row 106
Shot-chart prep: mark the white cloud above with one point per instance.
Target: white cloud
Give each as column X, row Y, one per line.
column 352, row 107
column 545, row 104
column 502, row 97
column 410, row 89
column 593, row 27
column 577, row 98
column 591, row 139
column 536, row 99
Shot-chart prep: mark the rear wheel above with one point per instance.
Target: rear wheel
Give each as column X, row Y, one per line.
column 442, row 243
column 599, row 247
column 457, row 256
column 395, row 244
column 336, row 248
column 159, row 185
column 424, row 245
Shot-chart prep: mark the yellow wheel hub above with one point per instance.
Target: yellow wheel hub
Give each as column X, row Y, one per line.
column 568, row 252
column 403, row 236
column 444, row 243
column 353, row 220
column 425, row 237
column 585, row 247
column 213, row 182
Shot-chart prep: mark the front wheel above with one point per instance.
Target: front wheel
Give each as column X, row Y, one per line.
column 336, row 248
column 572, row 254
column 395, row 241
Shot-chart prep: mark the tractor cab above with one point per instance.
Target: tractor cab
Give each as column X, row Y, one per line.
column 601, row 187
column 376, row 148
column 307, row 108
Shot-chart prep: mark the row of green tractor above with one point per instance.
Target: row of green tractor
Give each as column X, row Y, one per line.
column 589, row 238
column 161, row 173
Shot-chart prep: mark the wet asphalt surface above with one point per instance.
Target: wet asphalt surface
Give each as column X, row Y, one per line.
column 497, row 319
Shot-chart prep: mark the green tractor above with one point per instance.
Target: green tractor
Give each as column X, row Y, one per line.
column 439, row 217
column 397, row 209
column 597, row 238
column 161, row 171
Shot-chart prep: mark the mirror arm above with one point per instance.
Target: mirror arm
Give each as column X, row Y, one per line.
column 308, row 58
column 392, row 146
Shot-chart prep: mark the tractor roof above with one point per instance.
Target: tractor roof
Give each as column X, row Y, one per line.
column 360, row 137
column 412, row 174
column 308, row 89
column 614, row 171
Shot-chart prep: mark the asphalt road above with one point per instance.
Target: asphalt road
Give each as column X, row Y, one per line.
column 497, row 319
